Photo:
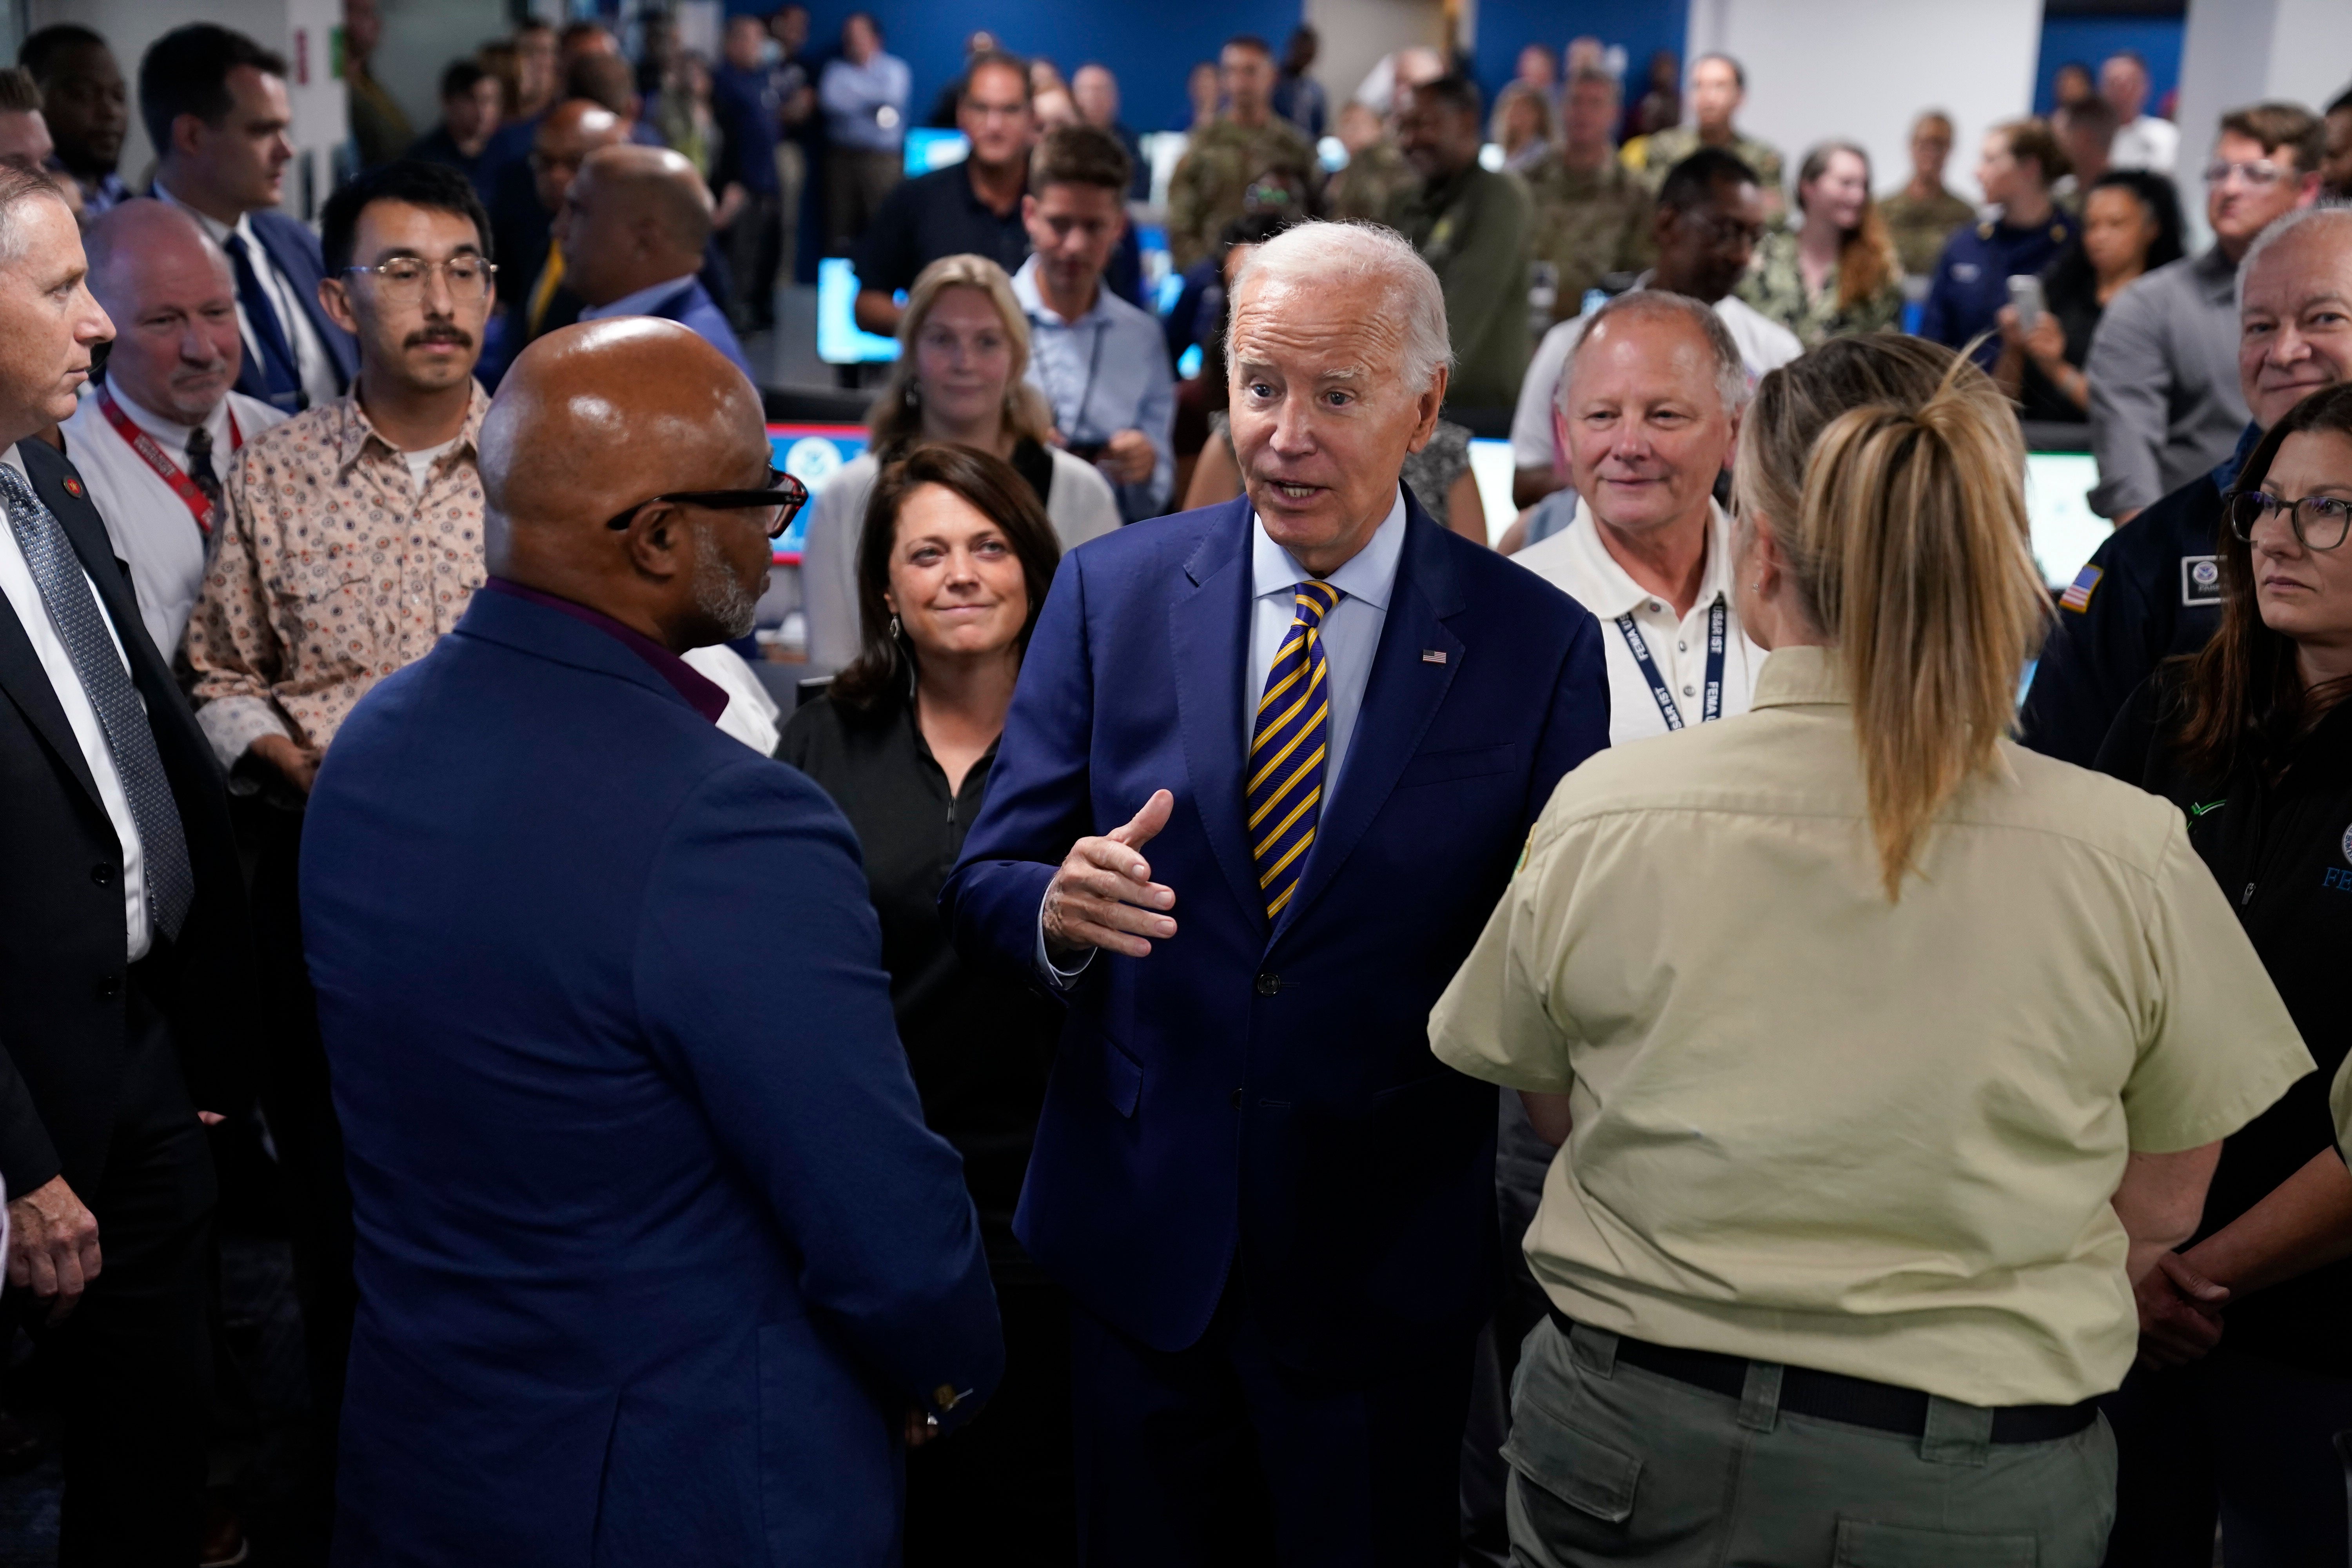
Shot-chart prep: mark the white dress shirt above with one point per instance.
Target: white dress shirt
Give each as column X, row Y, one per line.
column 312, row 362
column 24, row 596
column 1350, row 636
column 150, row 525
column 1764, row 344
column 2146, row 142
column 1576, row 561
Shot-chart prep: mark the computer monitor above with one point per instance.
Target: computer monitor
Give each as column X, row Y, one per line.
column 2058, row 507
column 812, row 453
column 928, row 150
column 839, row 338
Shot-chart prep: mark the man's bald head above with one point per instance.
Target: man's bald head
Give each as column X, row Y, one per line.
column 173, row 301
column 594, row 420
column 634, row 216
column 567, row 134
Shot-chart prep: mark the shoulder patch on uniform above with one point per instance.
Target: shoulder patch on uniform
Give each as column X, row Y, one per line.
column 2077, row 596
column 2201, row 580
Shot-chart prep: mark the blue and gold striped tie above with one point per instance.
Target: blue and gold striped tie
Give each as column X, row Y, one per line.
column 1291, row 752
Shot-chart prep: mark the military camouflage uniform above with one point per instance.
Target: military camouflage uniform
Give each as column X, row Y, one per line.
column 1214, row 176
column 1373, row 184
column 1775, row 286
column 1921, row 230
column 1473, row 231
column 1588, row 222
column 1652, row 155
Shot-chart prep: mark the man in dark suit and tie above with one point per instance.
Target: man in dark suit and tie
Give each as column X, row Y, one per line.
column 1268, row 768
column 215, row 105
column 123, row 961
column 657, row 1262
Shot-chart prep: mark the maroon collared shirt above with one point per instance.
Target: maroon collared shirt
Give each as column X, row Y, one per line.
column 705, row 696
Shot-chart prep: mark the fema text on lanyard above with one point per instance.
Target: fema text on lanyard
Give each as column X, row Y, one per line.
column 1718, row 623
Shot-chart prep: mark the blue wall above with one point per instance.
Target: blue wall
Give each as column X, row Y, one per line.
column 1148, row 45
column 2091, row 39
column 1642, row 27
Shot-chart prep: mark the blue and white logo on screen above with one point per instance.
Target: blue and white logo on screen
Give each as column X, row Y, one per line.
column 812, row 460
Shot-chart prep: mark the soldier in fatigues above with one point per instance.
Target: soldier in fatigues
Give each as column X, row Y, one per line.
column 1717, row 86
column 1591, row 212
column 1376, row 177
column 1211, row 182
column 1922, row 216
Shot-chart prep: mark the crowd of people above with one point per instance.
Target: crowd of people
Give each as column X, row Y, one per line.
column 1040, row 1097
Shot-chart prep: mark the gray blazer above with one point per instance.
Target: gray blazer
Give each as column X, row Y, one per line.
column 2164, row 403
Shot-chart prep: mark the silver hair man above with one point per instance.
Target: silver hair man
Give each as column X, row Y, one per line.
column 1730, row 371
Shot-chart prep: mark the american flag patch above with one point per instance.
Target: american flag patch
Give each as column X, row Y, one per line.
column 2077, row 596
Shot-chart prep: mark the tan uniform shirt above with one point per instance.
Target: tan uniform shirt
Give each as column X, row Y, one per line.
column 1815, row 1127
column 334, row 569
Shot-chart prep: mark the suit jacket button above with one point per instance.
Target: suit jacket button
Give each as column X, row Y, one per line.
column 945, row 1396
column 1237, row 1100
column 101, row 873
column 108, row 986
column 1268, row 985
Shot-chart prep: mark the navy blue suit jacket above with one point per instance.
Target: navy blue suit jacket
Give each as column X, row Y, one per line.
column 654, row 1251
column 1269, row 1094
column 693, row 309
column 295, row 249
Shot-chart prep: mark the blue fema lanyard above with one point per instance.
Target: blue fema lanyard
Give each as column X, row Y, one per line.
column 1719, row 618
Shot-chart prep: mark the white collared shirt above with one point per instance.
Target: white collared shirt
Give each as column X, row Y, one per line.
column 24, row 596
column 1578, row 562
column 150, row 525
column 312, row 362
column 640, row 303
column 1352, row 631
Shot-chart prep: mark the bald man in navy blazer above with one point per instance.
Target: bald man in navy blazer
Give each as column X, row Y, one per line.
column 1268, row 768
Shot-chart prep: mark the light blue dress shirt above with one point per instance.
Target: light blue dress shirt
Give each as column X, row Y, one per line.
column 1106, row 372
column 855, row 97
column 1351, row 636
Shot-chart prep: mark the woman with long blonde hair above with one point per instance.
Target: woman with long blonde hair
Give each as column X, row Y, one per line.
column 960, row 377
column 1883, row 1056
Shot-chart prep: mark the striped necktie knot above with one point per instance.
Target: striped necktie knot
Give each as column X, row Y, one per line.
column 1290, row 751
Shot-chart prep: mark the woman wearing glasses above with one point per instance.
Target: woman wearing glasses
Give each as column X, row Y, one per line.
column 2246, row 1371
column 963, row 354
column 952, row 567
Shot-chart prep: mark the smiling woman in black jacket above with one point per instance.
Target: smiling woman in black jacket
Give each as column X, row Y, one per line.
column 2245, row 1371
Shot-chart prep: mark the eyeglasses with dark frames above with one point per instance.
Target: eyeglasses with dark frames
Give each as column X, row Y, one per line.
column 783, row 497
column 2319, row 522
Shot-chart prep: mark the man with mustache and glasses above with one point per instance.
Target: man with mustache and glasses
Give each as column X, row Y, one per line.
column 352, row 542
column 156, row 442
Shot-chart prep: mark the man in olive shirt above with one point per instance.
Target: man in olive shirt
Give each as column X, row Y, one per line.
column 1471, row 225
column 1924, row 215
column 1211, row 182
column 1591, row 215
column 1717, row 88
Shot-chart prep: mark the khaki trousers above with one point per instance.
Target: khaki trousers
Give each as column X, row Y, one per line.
column 1614, row 1463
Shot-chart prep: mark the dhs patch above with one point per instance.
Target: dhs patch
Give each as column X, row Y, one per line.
column 2201, row 580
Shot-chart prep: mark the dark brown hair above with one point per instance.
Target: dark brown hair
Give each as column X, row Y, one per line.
column 2282, row 128
column 1079, row 156
column 884, row 672
column 2244, row 696
column 2032, row 138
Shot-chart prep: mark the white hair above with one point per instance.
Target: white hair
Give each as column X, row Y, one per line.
column 2334, row 209
column 1324, row 254
column 1730, row 370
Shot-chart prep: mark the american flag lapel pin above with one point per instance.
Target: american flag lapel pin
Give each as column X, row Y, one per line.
column 1433, row 656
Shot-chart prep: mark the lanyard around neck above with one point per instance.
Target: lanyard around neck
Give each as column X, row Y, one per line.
column 1719, row 625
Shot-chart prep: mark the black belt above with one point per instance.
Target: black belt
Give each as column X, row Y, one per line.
column 1834, row 1396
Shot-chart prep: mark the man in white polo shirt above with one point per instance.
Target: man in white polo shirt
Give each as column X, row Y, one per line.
column 1710, row 215
column 1646, row 412
column 155, row 444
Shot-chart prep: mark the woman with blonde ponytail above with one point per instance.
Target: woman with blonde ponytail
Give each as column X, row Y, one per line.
column 1883, row 1056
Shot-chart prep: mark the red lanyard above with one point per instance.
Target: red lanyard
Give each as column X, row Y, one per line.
column 199, row 504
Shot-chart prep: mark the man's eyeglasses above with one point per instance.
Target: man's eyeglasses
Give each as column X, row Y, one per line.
column 403, row 278
column 2319, row 521
column 782, row 499
column 2261, row 175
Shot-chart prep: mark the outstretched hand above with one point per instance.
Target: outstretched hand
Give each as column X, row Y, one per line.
column 1103, row 895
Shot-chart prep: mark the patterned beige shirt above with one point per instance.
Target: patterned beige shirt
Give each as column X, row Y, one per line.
column 334, row 569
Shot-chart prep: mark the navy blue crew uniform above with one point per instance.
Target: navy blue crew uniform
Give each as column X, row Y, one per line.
column 2153, row 590
column 1971, row 281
